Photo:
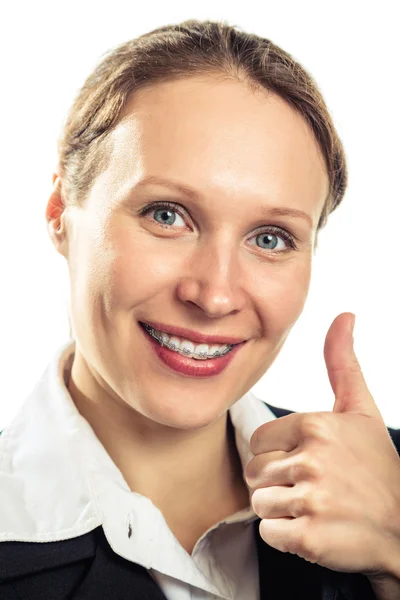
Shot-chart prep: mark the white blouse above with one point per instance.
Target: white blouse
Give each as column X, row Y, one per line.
column 58, row 482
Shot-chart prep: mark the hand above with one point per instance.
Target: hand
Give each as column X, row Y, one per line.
column 327, row 484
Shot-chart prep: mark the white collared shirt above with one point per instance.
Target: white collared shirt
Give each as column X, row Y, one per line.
column 58, row 482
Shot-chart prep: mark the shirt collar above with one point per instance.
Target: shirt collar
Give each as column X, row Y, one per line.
column 56, row 479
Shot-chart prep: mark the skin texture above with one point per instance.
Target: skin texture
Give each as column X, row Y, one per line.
column 242, row 152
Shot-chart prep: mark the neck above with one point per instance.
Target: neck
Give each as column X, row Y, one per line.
column 182, row 472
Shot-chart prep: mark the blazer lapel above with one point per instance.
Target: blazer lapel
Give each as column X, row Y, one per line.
column 81, row 568
column 111, row 576
column 288, row 577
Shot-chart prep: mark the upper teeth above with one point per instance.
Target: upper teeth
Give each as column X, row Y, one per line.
column 187, row 347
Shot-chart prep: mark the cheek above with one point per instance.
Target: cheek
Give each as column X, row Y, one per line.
column 281, row 298
column 282, row 292
column 141, row 268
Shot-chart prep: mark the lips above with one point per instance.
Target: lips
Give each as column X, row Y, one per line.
column 194, row 336
column 186, row 366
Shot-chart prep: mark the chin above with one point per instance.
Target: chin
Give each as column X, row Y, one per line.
column 183, row 414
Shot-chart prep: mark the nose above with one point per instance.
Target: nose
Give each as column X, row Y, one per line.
column 213, row 281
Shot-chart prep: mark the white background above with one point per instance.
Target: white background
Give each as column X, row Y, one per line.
column 351, row 48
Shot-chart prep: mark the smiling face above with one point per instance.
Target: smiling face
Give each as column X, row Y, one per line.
column 216, row 261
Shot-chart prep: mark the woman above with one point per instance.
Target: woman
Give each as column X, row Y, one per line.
column 196, row 167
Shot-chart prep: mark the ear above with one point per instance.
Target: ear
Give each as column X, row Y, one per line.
column 55, row 217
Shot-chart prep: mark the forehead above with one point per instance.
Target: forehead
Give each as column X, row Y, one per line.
column 222, row 139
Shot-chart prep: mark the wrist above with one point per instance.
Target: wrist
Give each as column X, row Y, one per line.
column 385, row 587
column 386, row 582
column 391, row 568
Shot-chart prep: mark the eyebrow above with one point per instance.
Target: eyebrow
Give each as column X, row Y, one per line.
column 191, row 193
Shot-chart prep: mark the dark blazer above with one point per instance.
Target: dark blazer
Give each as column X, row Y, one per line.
column 86, row 568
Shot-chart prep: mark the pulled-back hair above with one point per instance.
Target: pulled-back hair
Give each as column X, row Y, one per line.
column 190, row 48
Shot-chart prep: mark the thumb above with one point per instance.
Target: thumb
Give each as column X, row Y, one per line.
column 347, row 381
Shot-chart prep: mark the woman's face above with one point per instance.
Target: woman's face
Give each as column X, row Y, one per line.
column 218, row 263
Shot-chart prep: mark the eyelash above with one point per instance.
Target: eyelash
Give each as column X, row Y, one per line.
column 289, row 238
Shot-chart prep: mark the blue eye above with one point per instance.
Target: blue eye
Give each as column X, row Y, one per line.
column 167, row 212
column 265, row 238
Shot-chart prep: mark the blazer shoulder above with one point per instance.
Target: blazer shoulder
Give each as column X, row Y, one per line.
column 19, row 559
column 82, row 567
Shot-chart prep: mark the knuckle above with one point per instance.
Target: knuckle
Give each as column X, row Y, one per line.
column 305, row 467
column 313, row 425
column 253, row 469
column 322, row 501
column 249, row 471
column 296, row 471
column 261, row 468
column 300, row 506
column 303, row 502
column 310, row 502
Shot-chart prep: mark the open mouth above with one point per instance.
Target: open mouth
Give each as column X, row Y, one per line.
column 188, row 348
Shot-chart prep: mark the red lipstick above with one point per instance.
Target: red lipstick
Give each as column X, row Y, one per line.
column 190, row 366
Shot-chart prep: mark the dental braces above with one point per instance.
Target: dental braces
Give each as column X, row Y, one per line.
column 186, row 351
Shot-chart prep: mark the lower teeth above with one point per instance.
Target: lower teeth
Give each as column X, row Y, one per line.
column 187, row 353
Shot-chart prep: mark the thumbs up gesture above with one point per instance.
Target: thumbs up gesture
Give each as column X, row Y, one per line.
column 327, row 484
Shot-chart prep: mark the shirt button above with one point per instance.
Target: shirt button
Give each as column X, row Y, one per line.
column 129, row 520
